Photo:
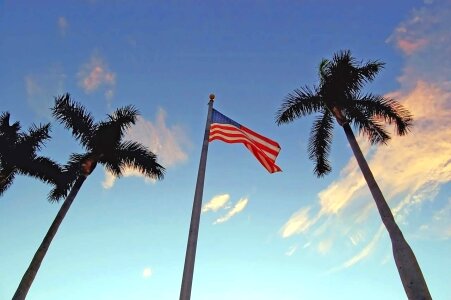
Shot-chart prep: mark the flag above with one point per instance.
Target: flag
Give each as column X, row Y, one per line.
column 264, row 149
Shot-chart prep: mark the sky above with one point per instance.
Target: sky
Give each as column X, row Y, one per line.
column 287, row 235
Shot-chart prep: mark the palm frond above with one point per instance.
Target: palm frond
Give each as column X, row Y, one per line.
column 124, row 116
column 70, row 173
column 368, row 126
column 34, row 139
column 369, row 70
column 42, row 168
column 110, row 132
column 136, row 156
column 323, row 69
column 106, row 137
column 345, row 74
column 299, row 103
column 320, row 143
column 386, row 108
column 8, row 132
column 74, row 116
column 6, row 179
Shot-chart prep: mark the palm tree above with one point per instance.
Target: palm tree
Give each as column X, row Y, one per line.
column 339, row 96
column 18, row 153
column 104, row 145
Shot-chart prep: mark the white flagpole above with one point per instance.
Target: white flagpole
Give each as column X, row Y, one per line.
column 190, row 257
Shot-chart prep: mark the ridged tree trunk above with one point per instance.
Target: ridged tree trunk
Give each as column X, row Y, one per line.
column 406, row 262
column 30, row 274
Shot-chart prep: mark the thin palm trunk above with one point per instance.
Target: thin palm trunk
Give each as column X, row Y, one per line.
column 30, row 274
column 406, row 262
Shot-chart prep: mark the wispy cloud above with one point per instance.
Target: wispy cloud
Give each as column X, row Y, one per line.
column 365, row 252
column 439, row 226
column 291, row 250
column 299, row 222
column 63, row 24
column 42, row 87
column 95, row 74
column 237, row 208
column 407, row 180
column 169, row 143
column 216, row 203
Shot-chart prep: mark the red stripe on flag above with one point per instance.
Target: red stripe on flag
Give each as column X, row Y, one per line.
column 265, row 150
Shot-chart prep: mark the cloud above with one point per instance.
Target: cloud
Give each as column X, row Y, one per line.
column 63, row 25
column 439, row 226
column 365, row 252
column 324, row 246
column 41, row 88
column 299, row 222
column 237, row 208
column 216, row 203
column 147, row 272
column 410, row 46
column 425, row 39
column 411, row 170
column 291, row 250
column 95, row 75
column 168, row 143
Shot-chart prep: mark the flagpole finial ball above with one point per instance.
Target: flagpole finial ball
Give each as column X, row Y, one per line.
column 212, row 97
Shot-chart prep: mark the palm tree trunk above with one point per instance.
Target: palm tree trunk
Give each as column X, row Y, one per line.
column 33, row 268
column 406, row 262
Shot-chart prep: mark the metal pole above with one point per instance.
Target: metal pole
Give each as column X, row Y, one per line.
column 190, row 257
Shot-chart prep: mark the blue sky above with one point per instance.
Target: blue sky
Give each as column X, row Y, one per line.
column 284, row 236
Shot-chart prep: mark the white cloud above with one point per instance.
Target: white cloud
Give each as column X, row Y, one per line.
column 324, row 246
column 147, row 272
column 291, row 250
column 237, row 208
column 63, row 25
column 299, row 222
column 96, row 74
column 168, row 143
column 216, row 203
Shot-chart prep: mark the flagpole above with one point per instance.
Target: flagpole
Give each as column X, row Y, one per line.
column 190, row 257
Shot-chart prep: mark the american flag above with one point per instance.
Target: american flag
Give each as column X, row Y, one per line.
column 225, row 129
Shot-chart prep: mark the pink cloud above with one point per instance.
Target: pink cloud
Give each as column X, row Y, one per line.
column 96, row 74
column 409, row 46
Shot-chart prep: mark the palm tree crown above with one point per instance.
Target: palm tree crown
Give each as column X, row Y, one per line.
column 103, row 143
column 338, row 95
column 18, row 153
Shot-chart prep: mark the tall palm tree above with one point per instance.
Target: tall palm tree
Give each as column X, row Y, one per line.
column 104, row 145
column 338, row 96
column 18, row 153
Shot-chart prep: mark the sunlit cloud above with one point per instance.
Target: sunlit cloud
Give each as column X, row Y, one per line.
column 168, row 143
column 147, row 272
column 216, row 203
column 324, row 246
column 63, row 25
column 237, row 208
column 299, row 222
column 410, row 170
column 96, row 74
